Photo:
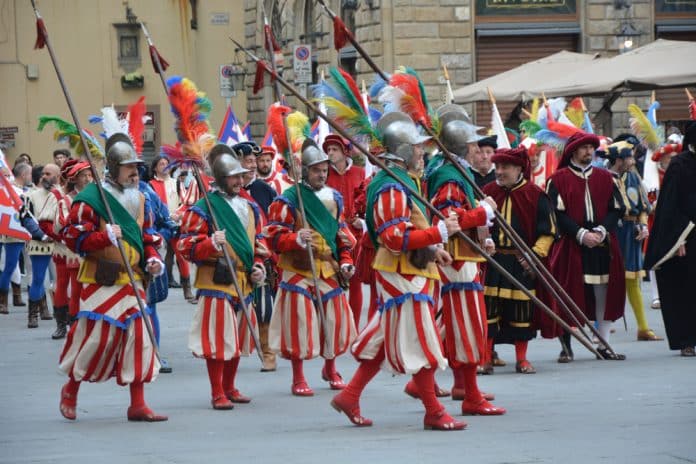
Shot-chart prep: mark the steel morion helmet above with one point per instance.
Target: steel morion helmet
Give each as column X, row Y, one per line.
column 226, row 165
column 457, row 129
column 399, row 134
column 120, row 152
column 311, row 155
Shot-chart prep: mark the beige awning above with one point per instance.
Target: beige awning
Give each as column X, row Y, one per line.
column 660, row 64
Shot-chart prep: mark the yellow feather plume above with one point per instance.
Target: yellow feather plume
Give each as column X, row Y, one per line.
column 298, row 129
column 535, row 110
column 641, row 127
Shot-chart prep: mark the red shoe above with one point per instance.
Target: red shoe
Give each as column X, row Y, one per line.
column 350, row 410
column 302, row 389
column 458, row 394
column 482, row 408
column 236, row 396
column 222, row 403
column 335, row 381
column 442, row 421
column 68, row 403
column 144, row 414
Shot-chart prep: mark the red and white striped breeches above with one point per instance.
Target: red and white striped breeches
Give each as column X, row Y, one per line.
column 294, row 331
column 109, row 338
column 404, row 327
column 463, row 313
column 218, row 332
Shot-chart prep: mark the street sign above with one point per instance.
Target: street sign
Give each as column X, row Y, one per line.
column 302, row 63
column 226, row 85
column 8, row 132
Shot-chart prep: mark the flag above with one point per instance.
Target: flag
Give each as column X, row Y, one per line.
column 320, row 128
column 498, row 127
column 230, row 132
column 246, row 130
column 10, row 204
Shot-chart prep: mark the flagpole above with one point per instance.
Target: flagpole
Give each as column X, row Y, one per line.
column 204, row 194
column 293, row 171
column 44, row 40
column 435, row 212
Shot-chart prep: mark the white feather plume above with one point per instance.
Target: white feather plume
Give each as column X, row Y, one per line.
column 111, row 123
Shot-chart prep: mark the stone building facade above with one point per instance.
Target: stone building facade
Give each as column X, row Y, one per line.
column 477, row 38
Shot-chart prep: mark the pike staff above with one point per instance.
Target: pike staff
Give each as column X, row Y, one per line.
column 339, row 130
column 543, row 274
column 271, row 47
column 160, row 67
column 41, row 41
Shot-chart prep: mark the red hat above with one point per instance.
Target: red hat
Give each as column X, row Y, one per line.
column 574, row 142
column 65, row 169
column 337, row 140
column 76, row 169
column 667, row 149
column 267, row 150
column 517, row 156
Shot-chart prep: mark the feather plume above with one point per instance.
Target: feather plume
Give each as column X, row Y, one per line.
column 530, row 127
column 411, row 100
column 191, row 109
column 652, row 113
column 535, row 110
column 344, row 104
column 66, row 131
column 111, row 123
column 557, row 106
column 376, row 87
column 276, row 126
column 641, row 127
column 324, row 89
column 136, row 123
column 421, row 87
column 551, row 138
column 299, row 129
column 692, row 110
column 346, row 85
column 563, row 130
column 575, row 113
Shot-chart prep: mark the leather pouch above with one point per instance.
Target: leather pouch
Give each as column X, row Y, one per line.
column 421, row 257
column 222, row 274
column 107, row 272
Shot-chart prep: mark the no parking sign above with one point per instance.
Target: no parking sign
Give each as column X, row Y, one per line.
column 302, row 63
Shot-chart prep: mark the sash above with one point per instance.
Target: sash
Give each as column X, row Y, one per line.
column 235, row 233
column 439, row 172
column 130, row 230
column 319, row 218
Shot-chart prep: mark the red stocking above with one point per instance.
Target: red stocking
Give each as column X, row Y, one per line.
column 472, row 393
column 425, row 380
column 366, row 371
column 229, row 373
column 521, row 350
column 215, row 369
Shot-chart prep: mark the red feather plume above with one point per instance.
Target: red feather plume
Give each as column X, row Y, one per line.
column 412, row 101
column 563, row 130
column 276, row 125
column 136, row 125
column 692, row 110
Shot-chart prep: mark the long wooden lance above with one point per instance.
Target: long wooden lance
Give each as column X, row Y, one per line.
column 42, row 40
column 215, row 226
column 293, row 170
column 435, row 212
column 566, row 303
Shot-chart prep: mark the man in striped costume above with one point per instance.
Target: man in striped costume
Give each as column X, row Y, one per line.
column 463, row 308
column 402, row 336
column 298, row 331
column 110, row 338
column 219, row 331
column 76, row 175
